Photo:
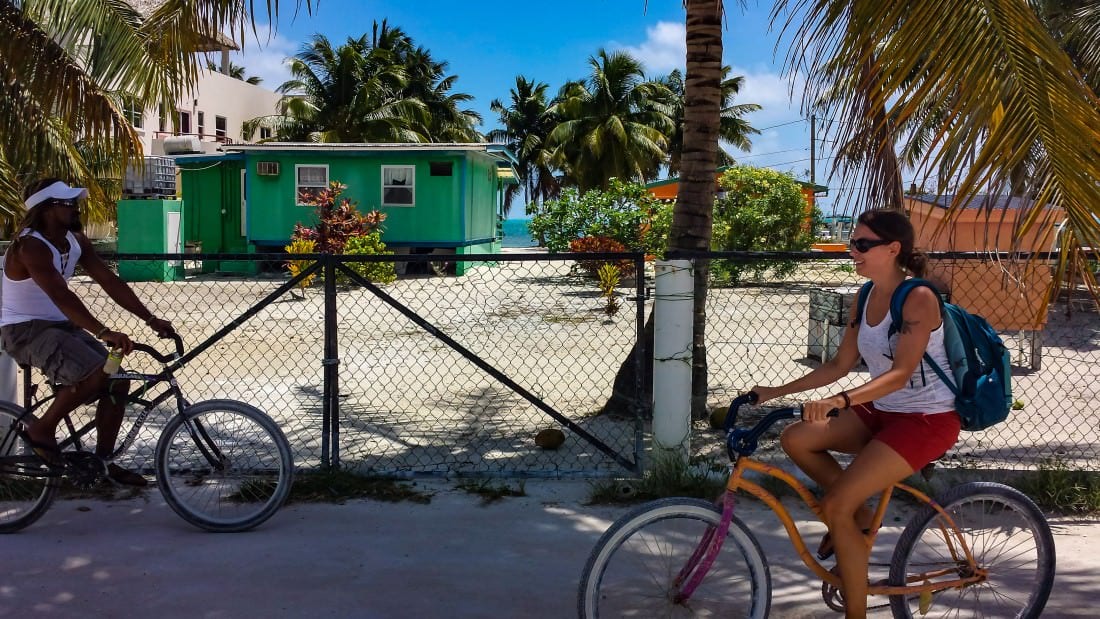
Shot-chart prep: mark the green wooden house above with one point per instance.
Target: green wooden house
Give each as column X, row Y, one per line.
column 438, row 198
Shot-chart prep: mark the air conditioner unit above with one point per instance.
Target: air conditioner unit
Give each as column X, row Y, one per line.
column 267, row 168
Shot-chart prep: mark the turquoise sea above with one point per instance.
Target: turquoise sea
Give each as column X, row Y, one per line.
column 515, row 233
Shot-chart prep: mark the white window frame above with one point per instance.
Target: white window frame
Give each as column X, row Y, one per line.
column 298, row 186
column 411, row 187
column 223, row 131
column 133, row 113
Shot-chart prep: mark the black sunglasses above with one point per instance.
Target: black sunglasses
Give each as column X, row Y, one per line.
column 864, row 245
column 68, row 203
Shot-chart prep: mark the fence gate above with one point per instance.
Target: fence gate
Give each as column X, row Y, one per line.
column 456, row 375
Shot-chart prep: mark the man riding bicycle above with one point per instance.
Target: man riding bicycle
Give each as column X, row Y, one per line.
column 44, row 324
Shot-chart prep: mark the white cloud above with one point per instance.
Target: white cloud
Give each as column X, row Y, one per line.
column 264, row 54
column 664, row 49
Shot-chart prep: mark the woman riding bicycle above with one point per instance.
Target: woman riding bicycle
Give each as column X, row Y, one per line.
column 895, row 423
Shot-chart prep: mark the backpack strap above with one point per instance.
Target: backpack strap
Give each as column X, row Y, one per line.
column 897, row 301
column 861, row 301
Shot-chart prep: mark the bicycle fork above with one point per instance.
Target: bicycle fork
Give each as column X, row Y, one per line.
column 701, row 560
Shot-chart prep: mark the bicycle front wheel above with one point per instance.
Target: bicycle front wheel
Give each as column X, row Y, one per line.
column 1009, row 539
column 224, row 466
column 633, row 570
column 27, row 486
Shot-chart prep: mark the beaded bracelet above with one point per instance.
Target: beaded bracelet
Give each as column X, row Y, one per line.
column 847, row 400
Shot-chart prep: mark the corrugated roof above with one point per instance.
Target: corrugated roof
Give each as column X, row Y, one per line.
column 980, row 201
column 491, row 149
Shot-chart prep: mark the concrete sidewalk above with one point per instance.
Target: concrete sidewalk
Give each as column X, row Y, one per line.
column 455, row 558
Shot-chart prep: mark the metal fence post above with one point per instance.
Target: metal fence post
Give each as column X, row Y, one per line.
column 640, row 351
column 330, row 397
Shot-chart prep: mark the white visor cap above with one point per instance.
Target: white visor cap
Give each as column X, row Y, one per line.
column 56, row 191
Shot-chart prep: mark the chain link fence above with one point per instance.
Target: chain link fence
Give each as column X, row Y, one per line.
column 776, row 330
column 444, row 374
column 433, row 374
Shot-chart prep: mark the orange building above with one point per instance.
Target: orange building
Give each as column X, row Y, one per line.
column 669, row 188
column 985, row 223
column 1009, row 294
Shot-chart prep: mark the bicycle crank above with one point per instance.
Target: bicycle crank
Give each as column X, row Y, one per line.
column 84, row 469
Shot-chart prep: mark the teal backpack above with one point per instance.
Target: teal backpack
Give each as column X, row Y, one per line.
column 981, row 370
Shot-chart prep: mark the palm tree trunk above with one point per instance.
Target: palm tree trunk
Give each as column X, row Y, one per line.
column 693, row 213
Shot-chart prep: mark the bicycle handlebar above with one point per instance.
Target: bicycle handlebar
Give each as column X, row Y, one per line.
column 159, row 356
column 745, row 441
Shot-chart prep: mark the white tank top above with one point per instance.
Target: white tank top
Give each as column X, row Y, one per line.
column 925, row 392
column 24, row 300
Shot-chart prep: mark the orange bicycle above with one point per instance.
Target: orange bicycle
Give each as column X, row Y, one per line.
column 981, row 550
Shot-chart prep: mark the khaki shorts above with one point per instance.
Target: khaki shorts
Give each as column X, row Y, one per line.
column 65, row 353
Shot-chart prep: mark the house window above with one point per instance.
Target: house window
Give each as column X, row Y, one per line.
column 309, row 179
column 202, row 123
column 185, row 123
column 265, row 133
column 220, row 127
column 162, row 119
column 398, row 185
column 131, row 109
column 441, row 168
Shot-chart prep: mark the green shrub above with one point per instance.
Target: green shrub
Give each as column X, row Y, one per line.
column 370, row 245
column 625, row 212
column 762, row 210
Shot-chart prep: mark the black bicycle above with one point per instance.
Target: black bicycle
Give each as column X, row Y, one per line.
column 222, row 465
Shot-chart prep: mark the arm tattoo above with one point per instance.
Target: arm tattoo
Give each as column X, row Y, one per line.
column 907, row 325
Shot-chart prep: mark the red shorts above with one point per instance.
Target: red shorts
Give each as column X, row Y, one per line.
column 918, row 437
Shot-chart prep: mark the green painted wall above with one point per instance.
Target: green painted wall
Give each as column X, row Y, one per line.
column 212, row 209
column 448, row 211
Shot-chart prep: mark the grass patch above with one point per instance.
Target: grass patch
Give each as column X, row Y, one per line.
column 1058, row 488
column 338, row 486
column 667, row 478
column 490, row 491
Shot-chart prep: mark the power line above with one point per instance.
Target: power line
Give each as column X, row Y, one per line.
column 778, row 152
column 800, row 120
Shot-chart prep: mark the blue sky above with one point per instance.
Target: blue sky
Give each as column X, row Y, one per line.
column 488, row 43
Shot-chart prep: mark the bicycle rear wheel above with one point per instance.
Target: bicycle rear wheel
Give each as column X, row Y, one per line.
column 632, row 569
column 1008, row 536
column 26, row 485
column 224, row 466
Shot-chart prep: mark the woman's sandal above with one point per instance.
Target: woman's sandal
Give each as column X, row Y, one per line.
column 826, row 550
column 50, row 454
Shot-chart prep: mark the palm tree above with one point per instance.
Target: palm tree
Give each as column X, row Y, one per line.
column 616, row 123
column 61, row 89
column 693, row 213
column 527, row 122
column 982, row 88
column 378, row 87
column 430, row 84
column 733, row 128
column 349, row 93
